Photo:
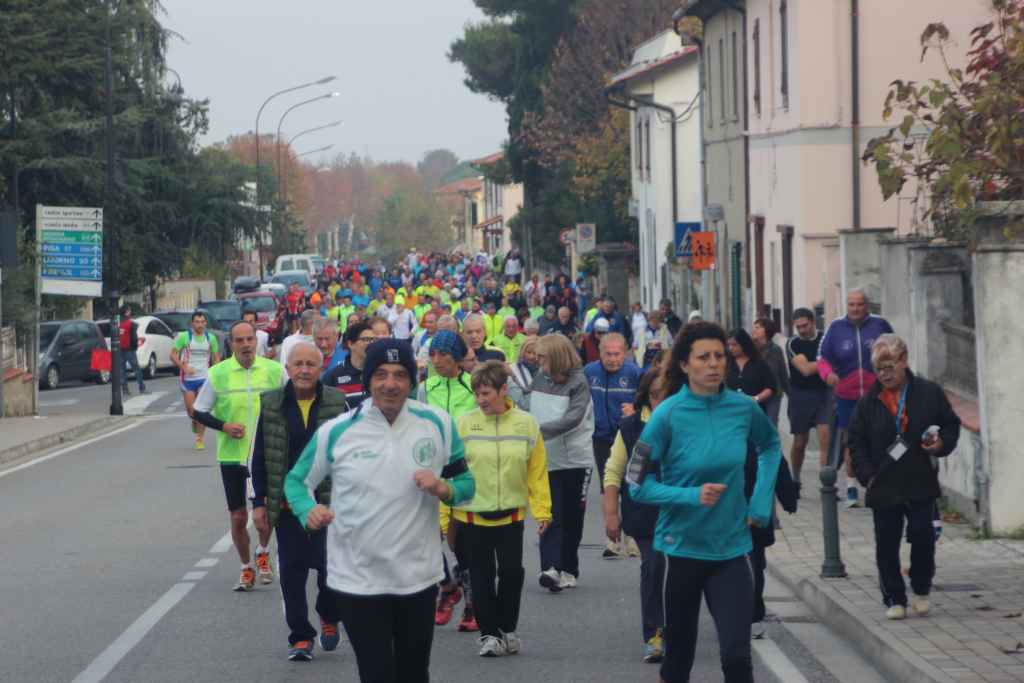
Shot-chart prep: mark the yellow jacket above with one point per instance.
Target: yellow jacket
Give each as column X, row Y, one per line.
column 506, row 455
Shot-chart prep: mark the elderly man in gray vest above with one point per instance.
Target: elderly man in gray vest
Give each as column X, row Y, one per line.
column 289, row 417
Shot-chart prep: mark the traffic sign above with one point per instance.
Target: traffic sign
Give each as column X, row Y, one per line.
column 586, row 237
column 70, row 242
column 683, row 238
column 703, row 251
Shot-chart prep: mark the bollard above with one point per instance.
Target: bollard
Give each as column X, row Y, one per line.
column 832, row 567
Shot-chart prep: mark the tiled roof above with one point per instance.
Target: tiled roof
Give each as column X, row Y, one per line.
column 459, row 186
column 646, row 67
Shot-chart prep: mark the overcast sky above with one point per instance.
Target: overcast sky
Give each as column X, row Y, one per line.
column 399, row 95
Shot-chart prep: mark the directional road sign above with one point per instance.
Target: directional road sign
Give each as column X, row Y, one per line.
column 70, row 242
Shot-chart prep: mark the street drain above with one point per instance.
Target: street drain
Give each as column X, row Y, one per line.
column 958, row 587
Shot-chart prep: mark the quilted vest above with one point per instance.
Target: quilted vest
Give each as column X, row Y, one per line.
column 275, row 443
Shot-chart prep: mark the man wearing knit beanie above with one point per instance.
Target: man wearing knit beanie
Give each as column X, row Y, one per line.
column 383, row 558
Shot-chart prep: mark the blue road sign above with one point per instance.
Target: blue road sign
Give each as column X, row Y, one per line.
column 80, row 260
column 682, row 238
column 51, row 248
column 73, row 272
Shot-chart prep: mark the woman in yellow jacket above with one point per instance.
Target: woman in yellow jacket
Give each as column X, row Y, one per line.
column 505, row 452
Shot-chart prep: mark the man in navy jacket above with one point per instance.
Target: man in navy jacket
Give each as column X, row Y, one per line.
column 613, row 383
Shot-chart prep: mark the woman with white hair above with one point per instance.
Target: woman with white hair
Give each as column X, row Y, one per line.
column 898, row 427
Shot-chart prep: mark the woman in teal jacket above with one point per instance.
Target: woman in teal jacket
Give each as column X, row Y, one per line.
column 695, row 447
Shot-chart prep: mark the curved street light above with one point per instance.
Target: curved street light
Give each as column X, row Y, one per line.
column 284, row 188
column 280, row 123
column 312, row 130
column 259, row 112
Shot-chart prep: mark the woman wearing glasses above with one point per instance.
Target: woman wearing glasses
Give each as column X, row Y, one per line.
column 348, row 377
column 900, row 425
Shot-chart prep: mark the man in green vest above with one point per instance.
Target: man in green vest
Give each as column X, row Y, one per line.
column 229, row 402
column 510, row 340
column 289, row 417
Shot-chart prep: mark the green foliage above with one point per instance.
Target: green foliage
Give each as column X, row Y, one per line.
column 961, row 139
column 410, row 218
column 167, row 197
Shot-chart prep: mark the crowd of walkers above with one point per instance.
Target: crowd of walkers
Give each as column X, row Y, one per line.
column 419, row 413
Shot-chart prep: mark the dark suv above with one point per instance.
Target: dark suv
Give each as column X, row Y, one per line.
column 65, row 352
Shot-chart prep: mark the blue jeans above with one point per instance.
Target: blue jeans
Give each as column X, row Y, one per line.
column 131, row 362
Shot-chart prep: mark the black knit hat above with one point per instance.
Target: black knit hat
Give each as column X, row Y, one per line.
column 388, row 350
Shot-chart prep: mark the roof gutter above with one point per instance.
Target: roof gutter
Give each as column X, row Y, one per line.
column 855, row 109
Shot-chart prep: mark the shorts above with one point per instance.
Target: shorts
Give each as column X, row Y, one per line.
column 193, row 385
column 808, row 409
column 234, row 478
column 844, row 411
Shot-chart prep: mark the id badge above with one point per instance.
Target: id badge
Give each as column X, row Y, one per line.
column 898, row 449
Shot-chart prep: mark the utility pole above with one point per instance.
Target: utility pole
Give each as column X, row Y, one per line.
column 116, row 363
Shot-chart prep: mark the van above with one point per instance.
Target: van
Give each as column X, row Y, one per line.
column 296, row 262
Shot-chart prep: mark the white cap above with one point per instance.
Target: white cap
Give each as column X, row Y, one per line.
column 601, row 325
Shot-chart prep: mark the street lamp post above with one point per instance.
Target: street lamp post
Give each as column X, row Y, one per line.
column 280, row 123
column 259, row 112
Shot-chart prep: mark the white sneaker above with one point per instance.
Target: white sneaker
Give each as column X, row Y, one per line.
column 550, row 579
column 512, row 643
column 492, row 647
column 896, row 613
column 920, row 605
column 567, row 580
column 632, row 549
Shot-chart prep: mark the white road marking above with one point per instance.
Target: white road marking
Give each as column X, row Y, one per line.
column 65, row 451
column 225, row 543
column 776, row 660
column 207, row 562
column 59, row 403
column 101, row 667
column 193, row 576
column 137, row 405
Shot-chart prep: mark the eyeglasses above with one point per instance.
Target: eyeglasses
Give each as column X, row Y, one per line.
column 368, row 340
column 886, row 368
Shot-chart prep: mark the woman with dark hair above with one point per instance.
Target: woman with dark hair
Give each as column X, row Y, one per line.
column 638, row 520
column 747, row 372
column 763, row 333
column 690, row 462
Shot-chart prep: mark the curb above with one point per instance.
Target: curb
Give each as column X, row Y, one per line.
column 897, row 662
column 51, row 440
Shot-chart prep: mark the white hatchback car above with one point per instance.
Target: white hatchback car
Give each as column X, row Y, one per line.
column 155, row 343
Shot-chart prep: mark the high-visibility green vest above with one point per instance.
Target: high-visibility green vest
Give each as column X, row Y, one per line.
column 238, row 400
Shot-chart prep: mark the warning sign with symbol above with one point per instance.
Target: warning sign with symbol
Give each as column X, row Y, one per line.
column 703, row 246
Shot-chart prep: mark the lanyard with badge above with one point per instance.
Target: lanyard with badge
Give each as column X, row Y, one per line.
column 899, row 447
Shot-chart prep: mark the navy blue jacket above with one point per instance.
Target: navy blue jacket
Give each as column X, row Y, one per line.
column 609, row 391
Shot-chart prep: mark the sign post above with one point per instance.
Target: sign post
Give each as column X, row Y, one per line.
column 71, row 250
column 586, row 238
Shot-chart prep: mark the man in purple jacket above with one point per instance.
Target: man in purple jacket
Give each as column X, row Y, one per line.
column 844, row 362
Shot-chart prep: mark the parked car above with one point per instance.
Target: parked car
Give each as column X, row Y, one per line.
column 276, row 288
column 181, row 320
column 269, row 312
column 156, row 340
column 244, row 284
column 287, row 277
column 222, row 315
column 65, row 352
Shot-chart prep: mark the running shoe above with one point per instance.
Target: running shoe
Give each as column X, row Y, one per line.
column 246, row 581
column 468, row 622
column 551, row 579
column 329, row 636
column 920, row 605
column 492, row 646
column 200, row 446
column 567, row 580
column 632, row 549
column 613, row 551
column 512, row 643
column 446, row 603
column 654, row 648
column 301, row 651
column 263, row 565
column 852, row 500
column 896, row 612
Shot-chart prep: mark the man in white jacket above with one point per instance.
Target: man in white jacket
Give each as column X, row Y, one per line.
column 397, row 458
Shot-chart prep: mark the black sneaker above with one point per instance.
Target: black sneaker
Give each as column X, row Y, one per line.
column 301, row 651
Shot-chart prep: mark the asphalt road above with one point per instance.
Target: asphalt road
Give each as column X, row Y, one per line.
column 116, row 570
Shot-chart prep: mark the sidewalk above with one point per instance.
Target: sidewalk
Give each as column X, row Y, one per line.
column 975, row 629
column 21, row 436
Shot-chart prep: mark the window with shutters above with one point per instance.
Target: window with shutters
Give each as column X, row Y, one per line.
column 757, row 66
column 784, row 57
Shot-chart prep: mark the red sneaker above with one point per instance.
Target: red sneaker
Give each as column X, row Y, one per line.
column 446, row 606
column 468, row 622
